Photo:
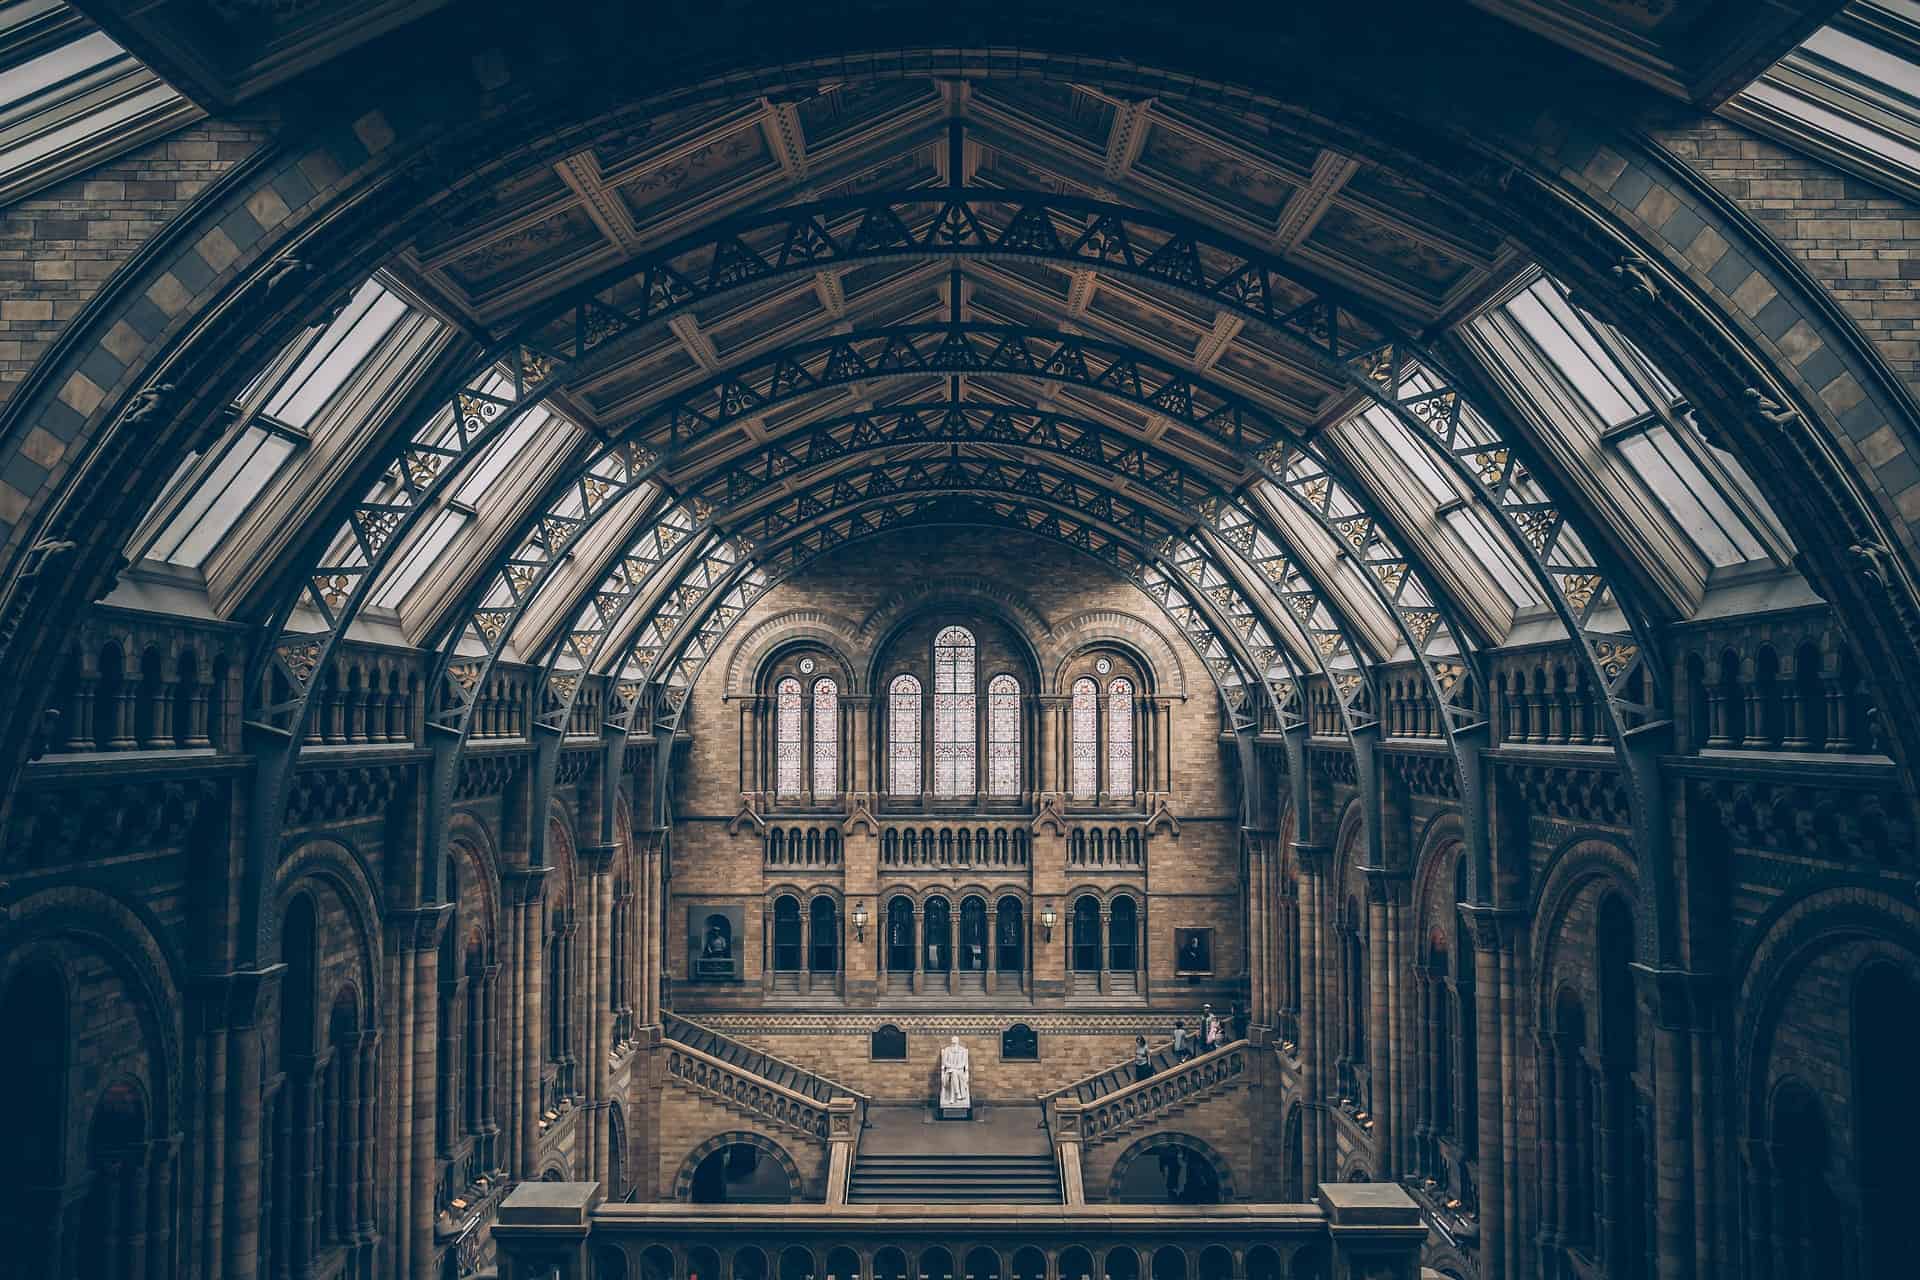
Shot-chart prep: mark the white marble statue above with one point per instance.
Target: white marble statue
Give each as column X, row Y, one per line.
column 956, row 1078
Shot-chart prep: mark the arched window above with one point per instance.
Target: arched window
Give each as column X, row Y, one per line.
column 954, row 734
column 1086, row 739
column 903, row 736
column 826, row 737
column 937, row 929
column 1086, row 935
column 786, row 934
column 1123, row 936
column 1120, row 737
column 1003, row 736
column 787, row 737
column 824, row 936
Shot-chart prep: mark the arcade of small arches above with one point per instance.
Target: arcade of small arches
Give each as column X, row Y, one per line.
column 579, row 610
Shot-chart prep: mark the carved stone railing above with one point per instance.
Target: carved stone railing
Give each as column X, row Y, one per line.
column 746, row 1093
column 554, row 1229
column 1108, row 1079
column 955, row 846
column 1097, row 846
column 1120, row 1113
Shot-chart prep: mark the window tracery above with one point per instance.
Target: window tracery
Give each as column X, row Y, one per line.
column 1003, row 736
column 954, row 731
column 1120, row 736
column 787, row 735
column 903, row 736
column 826, row 734
column 1086, row 739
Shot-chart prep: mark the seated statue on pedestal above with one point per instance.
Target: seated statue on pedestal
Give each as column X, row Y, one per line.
column 956, row 1078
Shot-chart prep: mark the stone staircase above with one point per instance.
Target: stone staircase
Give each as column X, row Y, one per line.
column 955, row 1179
column 1001, row 1156
column 750, row 1061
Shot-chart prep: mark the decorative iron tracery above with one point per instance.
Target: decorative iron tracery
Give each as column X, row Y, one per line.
column 1332, row 332
column 594, row 326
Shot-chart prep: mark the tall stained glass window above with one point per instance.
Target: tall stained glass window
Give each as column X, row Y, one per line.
column 1003, row 736
column 786, row 738
column 1086, row 739
column 954, row 732
column 826, row 738
column 903, row 736
column 1120, row 737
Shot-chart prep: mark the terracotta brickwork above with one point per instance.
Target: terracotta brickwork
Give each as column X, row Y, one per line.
column 58, row 245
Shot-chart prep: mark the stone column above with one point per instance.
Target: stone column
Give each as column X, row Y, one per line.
column 415, row 937
column 1553, row 1152
column 1383, row 921
column 1491, row 938
column 1311, row 859
column 251, row 1002
column 596, row 861
column 365, row 1230
column 524, row 888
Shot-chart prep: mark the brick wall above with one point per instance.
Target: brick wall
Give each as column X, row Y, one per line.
column 1856, row 238
column 687, row 1120
column 59, row 244
column 1224, row 1122
column 1193, row 880
column 845, row 1058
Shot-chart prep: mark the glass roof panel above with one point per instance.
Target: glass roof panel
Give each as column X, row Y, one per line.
column 71, row 98
column 245, row 468
column 1849, row 94
column 328, row 363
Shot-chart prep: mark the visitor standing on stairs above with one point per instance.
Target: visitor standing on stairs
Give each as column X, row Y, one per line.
column 1142, row 1059
column 1182, row 1041
column 1212, row 1033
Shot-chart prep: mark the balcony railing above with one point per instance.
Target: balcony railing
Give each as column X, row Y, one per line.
column 561, row 1231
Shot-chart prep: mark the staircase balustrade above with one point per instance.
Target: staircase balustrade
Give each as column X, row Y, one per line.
column 1121, row 1112
column 744, row 1091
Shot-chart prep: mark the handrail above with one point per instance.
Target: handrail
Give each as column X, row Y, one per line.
column 828, row 1089
column 1127, row 1109
column 773, row 1102
column 1072, row 1088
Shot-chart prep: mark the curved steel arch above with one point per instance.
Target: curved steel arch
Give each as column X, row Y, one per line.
column 932, row 350
column 494, row 607
column 607, row 604
column 595, row 324
column 738, row 480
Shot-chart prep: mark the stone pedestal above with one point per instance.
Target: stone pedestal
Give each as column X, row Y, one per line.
column 952, row 1113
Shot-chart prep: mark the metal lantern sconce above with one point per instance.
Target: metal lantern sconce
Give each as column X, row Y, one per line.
column 860, row 921
column 1048, row 919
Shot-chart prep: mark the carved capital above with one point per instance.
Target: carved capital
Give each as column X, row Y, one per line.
column 418, row 928
column 1682, row 1000
column 238, row 1000
column 597, row 859
column 1494, row 928
column 1311, row 858
column 523, row 886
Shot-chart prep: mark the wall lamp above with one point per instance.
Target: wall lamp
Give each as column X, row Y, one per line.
column 860, row 921
column 1048, row 919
